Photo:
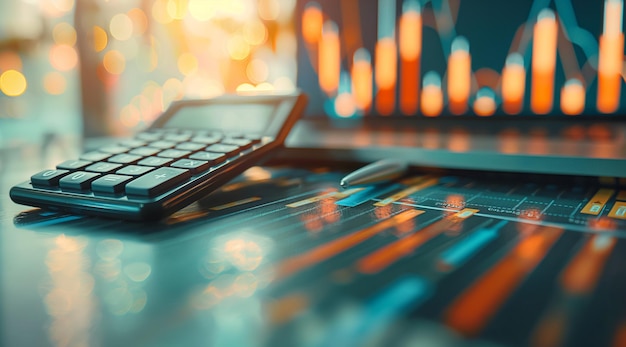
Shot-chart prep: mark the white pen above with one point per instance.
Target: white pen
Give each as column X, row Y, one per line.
column 376, row 172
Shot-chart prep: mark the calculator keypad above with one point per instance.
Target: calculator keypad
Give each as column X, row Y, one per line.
column 48, row 178
column 110, row 184
column 73, row 165
column 157, row 181
column 148, row 165
column 79, row 180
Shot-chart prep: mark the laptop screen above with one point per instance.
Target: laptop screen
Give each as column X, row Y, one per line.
column 483, row 58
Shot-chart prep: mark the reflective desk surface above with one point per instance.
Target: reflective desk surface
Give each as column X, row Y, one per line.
column 284, row 257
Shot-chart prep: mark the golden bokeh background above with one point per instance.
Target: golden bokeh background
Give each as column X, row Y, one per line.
column 109, row 67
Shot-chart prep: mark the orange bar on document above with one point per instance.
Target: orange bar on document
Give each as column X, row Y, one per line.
column 513, row 84
column 408, row 191
column 362, row 79
column 582, row 273
column 597, row 202
column 459, row 76
column 573, row 97
column 329, row 59
column 341, row 244
column 385, row 75
column 384, row 257
column 410, row 50
column 618, row 211
column 611, row 57
column 543, row 62
column 471, row 311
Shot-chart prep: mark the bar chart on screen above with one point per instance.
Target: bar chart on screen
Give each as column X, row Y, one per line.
column 447, row 57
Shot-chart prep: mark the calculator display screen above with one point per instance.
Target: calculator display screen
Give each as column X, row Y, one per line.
column 245, row 118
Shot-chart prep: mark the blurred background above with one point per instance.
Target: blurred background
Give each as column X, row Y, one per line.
column 92, row 68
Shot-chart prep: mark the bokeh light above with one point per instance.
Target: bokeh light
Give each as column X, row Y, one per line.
column 12, row 83
column 187, row 64
column 63, row 57
column 139, row 21
column 121, row 27
column 10, row 60
column 160, row 13
column 54, row 83
column 176, row 9
column 255, row 32
column 145, row 55
column 114, row 62
column 257, row 71
column 269, row 9
column 201, row 10
column 64, row 33
column 100, row 39
column 238, row 48
column 55, row 8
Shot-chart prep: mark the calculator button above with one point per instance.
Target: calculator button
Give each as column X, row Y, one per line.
column 125, row 158
column 145, row 151
column 190, row 146
column 48, row 178
column 234, row 135
column 212, row 158
column 162, row 144
column 73, row 165
column 221, row 148
column 177, row 137
column 110, row 184
column 195, row 166
column 114, row 149
column 134, row 170
column 253, row 137
column 207, row 140
column 157, row 181
column 78, row 180
column 208, row 133
column 132, row 143
column 173, row 153
column 148, row 136
column 95, row 156
column 103, row 167
column 241, row 143
column 154, row 161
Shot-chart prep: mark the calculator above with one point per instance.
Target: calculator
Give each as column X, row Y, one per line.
column 193, row 148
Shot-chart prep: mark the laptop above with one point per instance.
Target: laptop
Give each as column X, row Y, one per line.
column 504, row 86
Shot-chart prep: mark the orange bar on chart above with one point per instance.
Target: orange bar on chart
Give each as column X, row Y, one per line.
column 581, row 275
column 362, row 79
column 543, row 62
column 385, row 75
column 410, row 27
column 513, row 84
column 471, row 311
column 459, row 76
column 312, row 21
column 385, row 256
column 573, row 97
column 431, row 97
column 485, row 103
column 331, row 249
column 329, row 59
column 611, row 57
